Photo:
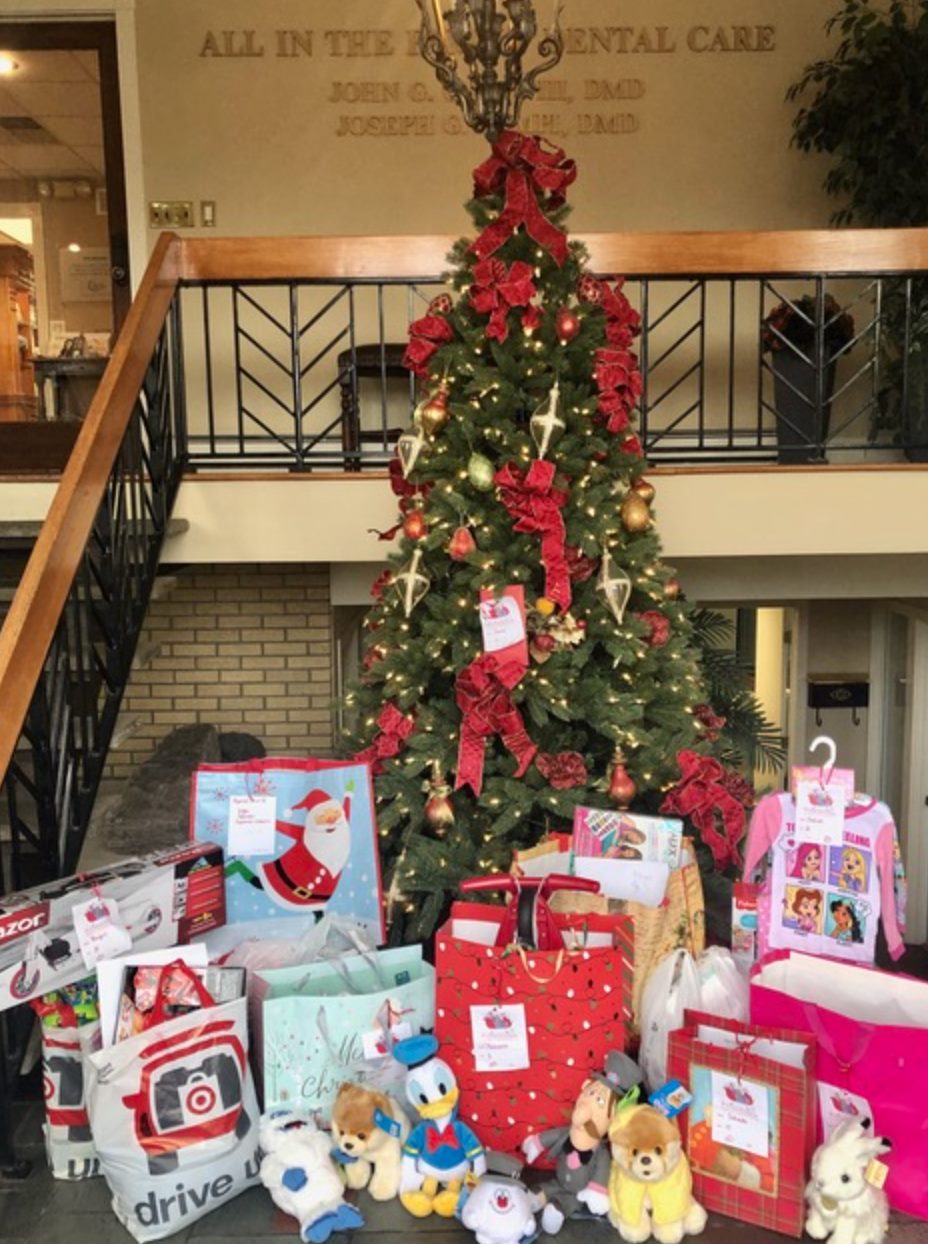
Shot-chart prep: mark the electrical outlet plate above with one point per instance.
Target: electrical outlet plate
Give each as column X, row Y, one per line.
column 171, row 214
column 208, row 213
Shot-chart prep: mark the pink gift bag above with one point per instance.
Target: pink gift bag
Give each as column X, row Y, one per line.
column 872, row 1032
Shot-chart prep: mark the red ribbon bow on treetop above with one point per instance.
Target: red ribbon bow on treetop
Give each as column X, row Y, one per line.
column 533, row 501
column 496, row 288
column 394, row 729
column 447, row 1138
column 425, row 336
column 704, row 793
column 483, row 696
column 524, row 168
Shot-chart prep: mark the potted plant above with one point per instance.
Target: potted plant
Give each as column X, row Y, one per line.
column 867, row 107
column 804, row 339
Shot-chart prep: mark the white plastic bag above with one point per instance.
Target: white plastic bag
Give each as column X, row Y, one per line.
column 672, row 988
column 265, row 944
column 174, row 1119
column 724, row 991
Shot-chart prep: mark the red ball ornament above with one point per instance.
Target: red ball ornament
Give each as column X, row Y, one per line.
column 622, row 788
column 590, row 290
column 441, row 304
column 414, row 525
column 439, row 813
column 566, row 324
column 544, row 642
column 462, row 544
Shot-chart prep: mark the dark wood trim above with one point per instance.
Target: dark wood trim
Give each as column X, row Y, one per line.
column 99, row 37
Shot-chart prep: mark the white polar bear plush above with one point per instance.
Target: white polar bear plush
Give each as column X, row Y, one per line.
column 843, row 1206
column 501, row 1210
column 299, row 1173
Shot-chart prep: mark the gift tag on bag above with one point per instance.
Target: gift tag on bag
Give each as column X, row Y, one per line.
column 740, row 1114
column 252, row 824
column 100, row 931
column 820, row 809
column 500, row 1038
column 839, row 1106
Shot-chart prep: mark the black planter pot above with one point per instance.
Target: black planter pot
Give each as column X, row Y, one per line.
column 802, row 427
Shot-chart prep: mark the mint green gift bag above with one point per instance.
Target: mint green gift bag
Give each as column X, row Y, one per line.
column 320, row 1024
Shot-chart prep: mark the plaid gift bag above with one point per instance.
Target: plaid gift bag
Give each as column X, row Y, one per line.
column 550, row 1016
column 750, row 1130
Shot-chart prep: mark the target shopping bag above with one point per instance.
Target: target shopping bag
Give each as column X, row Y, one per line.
column 175, row 1120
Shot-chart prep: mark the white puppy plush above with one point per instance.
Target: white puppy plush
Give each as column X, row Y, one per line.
column 301, row 1177
column 843, row 1206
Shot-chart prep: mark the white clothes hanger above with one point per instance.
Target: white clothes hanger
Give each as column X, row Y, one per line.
column 825, row 740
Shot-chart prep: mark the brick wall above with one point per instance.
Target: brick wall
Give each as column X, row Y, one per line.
column 238, row 647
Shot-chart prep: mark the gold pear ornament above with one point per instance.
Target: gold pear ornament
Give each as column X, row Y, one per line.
column 634, row 513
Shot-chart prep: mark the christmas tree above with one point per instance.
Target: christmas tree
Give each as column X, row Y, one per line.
column 521, row 481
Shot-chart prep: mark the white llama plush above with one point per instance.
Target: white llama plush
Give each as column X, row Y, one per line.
column 843, row 1206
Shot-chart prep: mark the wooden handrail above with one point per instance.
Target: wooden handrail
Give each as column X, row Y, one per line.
column 849, row 251
column 40, row 598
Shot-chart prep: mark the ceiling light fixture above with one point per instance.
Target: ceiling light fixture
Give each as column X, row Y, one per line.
column 476, row 49
column 74, row 248
column 7, row 63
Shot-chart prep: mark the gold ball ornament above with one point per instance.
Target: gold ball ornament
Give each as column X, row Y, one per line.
column 480, row 472
column 645, row 489
column 544, row 606
column 634, row 513
column 432, row 413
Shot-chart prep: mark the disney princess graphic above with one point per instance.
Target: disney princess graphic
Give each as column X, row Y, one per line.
column 806, row 906
column 847, row 929
column 808, row 862
column 852, row 871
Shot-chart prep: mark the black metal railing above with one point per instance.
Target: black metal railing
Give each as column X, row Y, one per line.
column 52, row 781
column 308, row 375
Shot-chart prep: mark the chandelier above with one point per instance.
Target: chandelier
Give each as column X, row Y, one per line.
column 476, row 49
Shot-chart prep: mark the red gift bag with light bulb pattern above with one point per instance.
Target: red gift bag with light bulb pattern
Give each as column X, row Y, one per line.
column 577, row 1007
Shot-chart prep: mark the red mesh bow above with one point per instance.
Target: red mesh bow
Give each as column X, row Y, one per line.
column 660, row 627
column 497, row 288
column 703, row 795
column 535, row 504
column 483, row 696
column 620, row 386
column 525, row 168
column 425, row 336
column 562, row 770
column 394, row 728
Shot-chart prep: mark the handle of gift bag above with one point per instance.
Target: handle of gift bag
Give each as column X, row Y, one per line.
column 339, row 967
column 540, row 980
column 530, row 895
column 825, row 1040
column 157, row 1013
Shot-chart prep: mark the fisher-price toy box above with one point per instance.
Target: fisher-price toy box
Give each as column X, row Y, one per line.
column 163, row 899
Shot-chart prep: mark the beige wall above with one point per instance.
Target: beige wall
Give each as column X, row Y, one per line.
column 258, row 133
column 241, row 647
column 839, row 646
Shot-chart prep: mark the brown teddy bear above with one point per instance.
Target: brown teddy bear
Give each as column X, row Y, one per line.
column 650, row 1186
column 369, row 1129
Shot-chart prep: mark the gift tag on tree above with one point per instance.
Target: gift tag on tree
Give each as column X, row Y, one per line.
column 502, row 622
column 740, row 1114
column 252, row 824
column 100, row 931
column 500, row 1038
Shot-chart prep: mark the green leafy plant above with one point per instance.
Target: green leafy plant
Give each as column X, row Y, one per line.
column 867, row 107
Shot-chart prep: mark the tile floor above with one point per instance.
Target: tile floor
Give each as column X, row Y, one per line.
column 42, row 1211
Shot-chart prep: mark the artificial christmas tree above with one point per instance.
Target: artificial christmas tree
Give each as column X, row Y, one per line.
column 528, row 649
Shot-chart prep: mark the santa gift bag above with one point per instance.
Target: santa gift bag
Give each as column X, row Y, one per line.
column 749, row 1131
column 299, row 838
column 872, row 1034
column 337, row 1020
column 175, row 1120
column 521, row 1028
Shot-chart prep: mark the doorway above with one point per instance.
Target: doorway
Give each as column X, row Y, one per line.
column 64, row 242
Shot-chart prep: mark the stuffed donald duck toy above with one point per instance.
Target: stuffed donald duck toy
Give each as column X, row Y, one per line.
column 440, row 1151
